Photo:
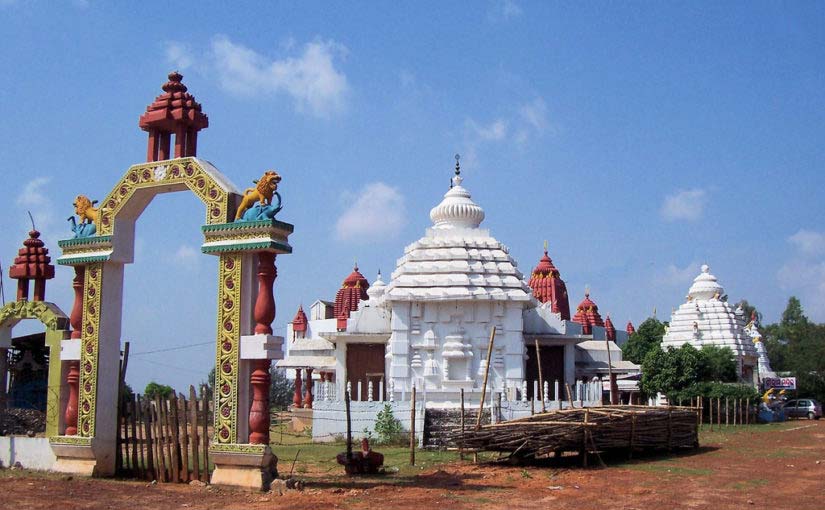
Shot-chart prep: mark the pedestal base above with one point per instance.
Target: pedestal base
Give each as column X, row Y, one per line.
column 76, row 459
column 301, row 419
column 250, row 467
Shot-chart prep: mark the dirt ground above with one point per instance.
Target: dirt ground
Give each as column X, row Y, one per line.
column 769, row 466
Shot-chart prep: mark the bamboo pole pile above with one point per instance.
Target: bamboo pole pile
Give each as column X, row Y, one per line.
column 586, row 430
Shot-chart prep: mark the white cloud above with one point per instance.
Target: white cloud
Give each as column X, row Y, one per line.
column 186, row 255
column 504, row 9
column 685, row 205
column 311, row 79
column 511, row 9
column 804, row 272
column 495, row 131
column 522, row 124
column 809, row 242
column 33, row 193
column 376, row 213
column 34, row 198
column 179, row 55
column 677, row 276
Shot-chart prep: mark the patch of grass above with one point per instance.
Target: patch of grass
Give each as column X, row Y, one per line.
column 750, row 484
column 659, row 467
column 468, row 498
column 320, row 457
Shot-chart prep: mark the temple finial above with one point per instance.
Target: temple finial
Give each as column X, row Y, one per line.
column 545, row 246
column 457, row 165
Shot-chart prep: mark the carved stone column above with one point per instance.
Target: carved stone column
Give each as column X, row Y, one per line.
column 73, row 378
column 259, row 412
column 73, row 368
column 264, row 314
column 308, row 390
column 297, row 400
column 265, row 302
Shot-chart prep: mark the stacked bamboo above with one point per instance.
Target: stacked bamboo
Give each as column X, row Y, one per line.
column 596, row 429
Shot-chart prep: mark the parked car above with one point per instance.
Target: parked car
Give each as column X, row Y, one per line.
column 803, row 408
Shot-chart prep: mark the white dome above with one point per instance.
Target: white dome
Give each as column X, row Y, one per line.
column 457, row 210
column 705, row 286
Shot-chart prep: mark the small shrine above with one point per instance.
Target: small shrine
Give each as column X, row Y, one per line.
column 706, row 318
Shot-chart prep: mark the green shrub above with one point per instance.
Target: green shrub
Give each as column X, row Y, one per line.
column 388, row 427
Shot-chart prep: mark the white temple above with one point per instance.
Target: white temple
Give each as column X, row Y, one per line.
column 429, row 326
column 764, row 364
column 706, row 318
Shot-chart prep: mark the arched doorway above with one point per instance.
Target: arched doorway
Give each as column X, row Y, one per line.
column 245, row 304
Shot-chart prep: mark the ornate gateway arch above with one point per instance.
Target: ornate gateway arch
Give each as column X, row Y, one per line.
column 247, row 247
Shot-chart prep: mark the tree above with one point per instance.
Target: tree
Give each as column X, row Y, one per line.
column 280, row 390
column 670, row 370
column 209, row 383
column 717, row 364
column 387, row 426
column 154, row 389
column 678, row 372
column 646, row 338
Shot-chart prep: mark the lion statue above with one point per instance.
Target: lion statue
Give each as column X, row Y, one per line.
column 87, row 214
column 262, row 193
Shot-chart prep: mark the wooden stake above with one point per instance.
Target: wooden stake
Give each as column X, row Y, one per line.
column 632, row 434
column 173, row 425
column 614, row 397
column 719, row 413
column 584, row 438
column 412, row 426
column 205, row 433
column 747, row 411
column 146, row 412
column 461, row 446
column 136, row 469
column 727, row 418
column 184, row 442
column 349, row 427
column 486, row 373
column 193, row 432
column 569, row 395
column 541, row 379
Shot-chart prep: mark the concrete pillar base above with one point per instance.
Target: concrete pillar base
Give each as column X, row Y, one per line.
column 74, row 459
column 246, row 470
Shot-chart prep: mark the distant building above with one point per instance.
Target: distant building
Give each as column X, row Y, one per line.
column 429, row 326
column 706, row 318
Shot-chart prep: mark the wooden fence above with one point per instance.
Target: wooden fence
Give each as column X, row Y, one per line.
column 165, row 439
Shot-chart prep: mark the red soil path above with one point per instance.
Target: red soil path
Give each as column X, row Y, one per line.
column 772, row 467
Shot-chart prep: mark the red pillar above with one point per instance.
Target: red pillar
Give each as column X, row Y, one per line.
column 308, row 390
column 180, row 141
column 39, row 290
column 259, row 413
column 265, row 302
column 76, row 317
column 297, row 400
column 191, row 143
column 264, row 314
column 152, row 148
column 23, row 289
column 73, row 378
column 165, row 141
column 73, row 369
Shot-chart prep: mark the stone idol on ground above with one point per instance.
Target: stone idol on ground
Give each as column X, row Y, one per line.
column 361, row 463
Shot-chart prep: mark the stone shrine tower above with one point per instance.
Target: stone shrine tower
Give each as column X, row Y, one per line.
column 706, row 318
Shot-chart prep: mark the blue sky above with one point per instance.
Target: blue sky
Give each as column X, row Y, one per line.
column 640, row 140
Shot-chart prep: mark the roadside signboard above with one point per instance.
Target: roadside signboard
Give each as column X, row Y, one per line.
column 780, row 383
